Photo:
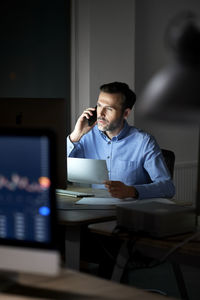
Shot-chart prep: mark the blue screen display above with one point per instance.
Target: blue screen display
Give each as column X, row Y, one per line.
column 25, row 188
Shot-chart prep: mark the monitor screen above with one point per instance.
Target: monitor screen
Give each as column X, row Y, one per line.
column 48, row 113
column 28, row 221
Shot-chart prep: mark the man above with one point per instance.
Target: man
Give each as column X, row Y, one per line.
column 135, row 163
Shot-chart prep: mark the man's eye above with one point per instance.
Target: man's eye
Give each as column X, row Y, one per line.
column 109, row 108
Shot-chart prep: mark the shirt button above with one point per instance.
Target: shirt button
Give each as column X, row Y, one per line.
column 108, row 157
column 109, row 143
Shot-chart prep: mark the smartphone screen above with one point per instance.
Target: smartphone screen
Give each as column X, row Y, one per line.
column 93, row 118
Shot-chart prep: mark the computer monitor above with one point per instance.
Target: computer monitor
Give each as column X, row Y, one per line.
column 28, row 221
column 48, row 113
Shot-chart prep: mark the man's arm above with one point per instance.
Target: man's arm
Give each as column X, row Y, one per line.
column 156, row 189
column 161, row 185
column 82, row 127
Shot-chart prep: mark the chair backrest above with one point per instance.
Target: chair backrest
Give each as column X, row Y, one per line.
column 169, row 157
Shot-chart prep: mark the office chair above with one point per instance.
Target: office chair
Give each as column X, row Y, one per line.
column 169, row 157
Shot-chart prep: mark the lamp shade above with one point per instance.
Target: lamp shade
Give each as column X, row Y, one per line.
column 173, row 94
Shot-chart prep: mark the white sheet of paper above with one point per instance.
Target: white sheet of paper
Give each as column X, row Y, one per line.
column 103, row 201
column 115, row 201
column 86, row 170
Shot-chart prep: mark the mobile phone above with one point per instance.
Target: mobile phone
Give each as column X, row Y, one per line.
column 93, row 118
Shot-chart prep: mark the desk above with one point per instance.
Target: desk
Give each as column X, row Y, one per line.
column 74, row 217
column 71, row 285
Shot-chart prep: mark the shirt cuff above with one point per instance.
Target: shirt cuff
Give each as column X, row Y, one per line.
column 143, row 191
column 70, row 146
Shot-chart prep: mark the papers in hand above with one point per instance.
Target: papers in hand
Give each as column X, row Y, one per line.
column 86, row 170
column 116, row 201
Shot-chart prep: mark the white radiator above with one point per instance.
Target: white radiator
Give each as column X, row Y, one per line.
column 185, row 180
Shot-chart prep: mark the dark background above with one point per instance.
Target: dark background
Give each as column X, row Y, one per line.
column 35, row 49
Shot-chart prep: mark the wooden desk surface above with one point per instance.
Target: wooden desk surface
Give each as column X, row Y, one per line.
column 81, row 217
column 70, row 213
column 71, row 285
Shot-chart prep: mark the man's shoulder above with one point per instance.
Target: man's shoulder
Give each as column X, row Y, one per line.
column 139, row 132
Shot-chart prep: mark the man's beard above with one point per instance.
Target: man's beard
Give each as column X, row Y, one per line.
column 112, row 126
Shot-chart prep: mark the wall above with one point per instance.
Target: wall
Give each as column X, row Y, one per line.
column 102, row 49
column 34, row 53
column 34, row 48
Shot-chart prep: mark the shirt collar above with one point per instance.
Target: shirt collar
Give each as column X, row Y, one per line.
column 121, row 134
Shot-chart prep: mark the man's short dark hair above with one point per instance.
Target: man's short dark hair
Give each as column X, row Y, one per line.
column 129, row 96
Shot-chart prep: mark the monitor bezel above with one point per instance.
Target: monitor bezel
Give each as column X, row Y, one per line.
column 53, row 242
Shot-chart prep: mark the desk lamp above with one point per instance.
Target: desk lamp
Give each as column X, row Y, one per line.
column 173, row 94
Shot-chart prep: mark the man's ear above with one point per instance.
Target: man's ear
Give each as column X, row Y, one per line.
column 126, row 113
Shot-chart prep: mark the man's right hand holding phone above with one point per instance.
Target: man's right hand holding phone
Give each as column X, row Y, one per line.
column 82, row 125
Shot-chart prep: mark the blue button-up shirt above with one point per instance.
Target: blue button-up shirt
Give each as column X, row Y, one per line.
column 133, row 157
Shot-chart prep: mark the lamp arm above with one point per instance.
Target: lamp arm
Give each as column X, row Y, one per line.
column 198, row 183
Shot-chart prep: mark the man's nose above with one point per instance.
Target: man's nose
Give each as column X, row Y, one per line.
column 102, row 111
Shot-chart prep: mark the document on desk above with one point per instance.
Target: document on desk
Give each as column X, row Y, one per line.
column 117, row 201
column 86, row 170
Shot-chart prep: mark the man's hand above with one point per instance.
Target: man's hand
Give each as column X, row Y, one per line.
column 82, row 126
column 118, row 189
